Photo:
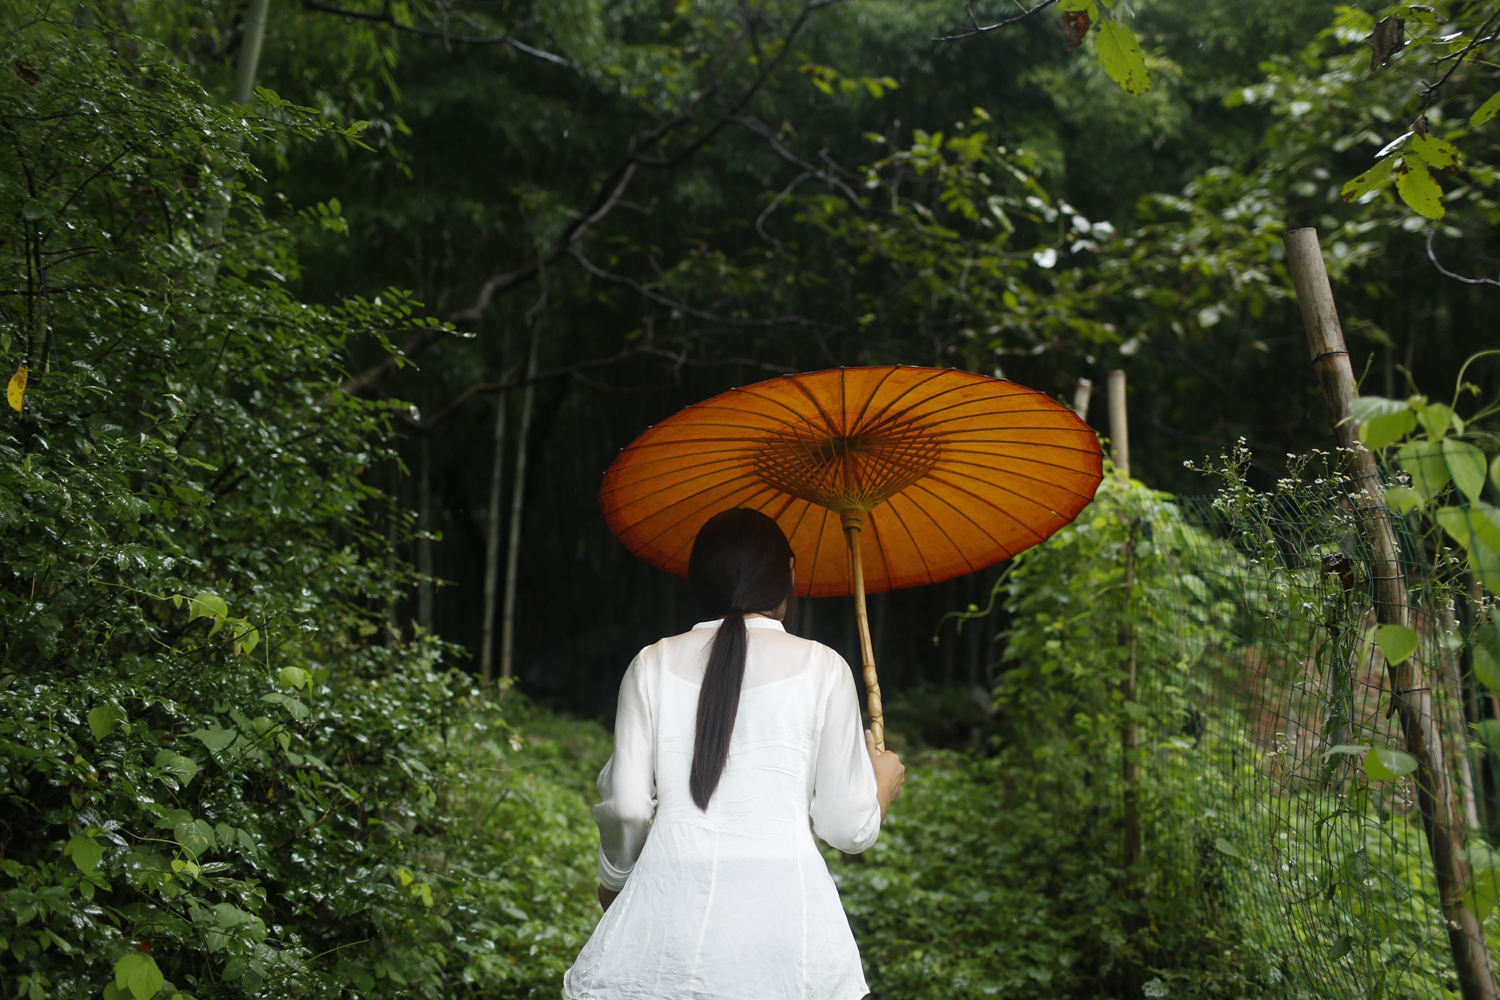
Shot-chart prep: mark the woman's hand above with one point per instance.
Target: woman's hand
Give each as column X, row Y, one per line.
column 890, row 773
column 607, row 896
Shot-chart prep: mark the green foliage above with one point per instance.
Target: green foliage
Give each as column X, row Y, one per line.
column 1002, row 875
column 248, row 791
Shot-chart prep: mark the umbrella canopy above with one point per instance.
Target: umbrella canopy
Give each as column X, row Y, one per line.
column 952, row 471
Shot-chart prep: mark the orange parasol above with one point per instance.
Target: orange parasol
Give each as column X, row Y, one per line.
column 927, row 473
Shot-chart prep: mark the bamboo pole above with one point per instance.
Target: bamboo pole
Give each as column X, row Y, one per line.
column 854, row 522
column 1081, row 395
column 1410, row 695
column 1119, row 428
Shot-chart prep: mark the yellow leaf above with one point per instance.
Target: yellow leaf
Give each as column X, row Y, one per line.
column 15, row 392
column 1420, row 191
column 1122, row 57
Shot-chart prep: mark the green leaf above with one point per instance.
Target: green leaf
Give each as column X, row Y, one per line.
column 1380, row 432
column 207, row 606
column 295, row 677
column 1486, row 111
column 1495, row 472
column 1340, row 947
column 1488, row 733
column 1424, row 463
column 246, row 637
column 196, row 836
column 1436, row 418
column 176, row 763
column 1438, row 154
column 1225, row 847
column 1135, row 710
column 1467, row 465
column 1487, row 666
column 296, row 707
column 1396, row 642
column 1383, row 764
column 217, row 740
column 1418, row 189
column 1122, row 57
column 86, row 853
column 104, row 720
column 1376, row 177
column 1476, row 524
column 1483, row 892
column 1484, row 560
column 1402, row 499
column 139, row 974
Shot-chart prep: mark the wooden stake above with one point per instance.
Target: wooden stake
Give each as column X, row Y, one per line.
column 1119, row 428
column 1081, row 395
column 854, row 522
column 1410, row 695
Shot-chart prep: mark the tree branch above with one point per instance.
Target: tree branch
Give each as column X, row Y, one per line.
column 1432, row 256
column 1479, row 39
column 981, row 29
column 388, row 19
column 693, row 311
column 763, row 130
column 610, row 190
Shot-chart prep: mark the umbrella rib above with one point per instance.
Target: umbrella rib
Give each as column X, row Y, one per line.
column 994, row 506
column 699, row 510
column 885, row 410
column 858, row 421
column 1017, row 474
column 949, row 535
column 896, row 513
column 678, row 485
column 682, row 520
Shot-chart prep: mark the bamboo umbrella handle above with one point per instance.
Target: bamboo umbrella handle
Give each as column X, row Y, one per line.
column 854, row 522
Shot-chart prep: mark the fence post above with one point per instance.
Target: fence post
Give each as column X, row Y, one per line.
column 1119, row 429
column 1081, row 393
column 1410, row 695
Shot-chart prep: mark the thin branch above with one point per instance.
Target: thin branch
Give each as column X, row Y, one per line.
column 608, row 193
column 693, row 311
column 1432, row 256
column 1479, row 39
column 979, row 29
column 760, row 128
column 388, row 19
column 760, row 220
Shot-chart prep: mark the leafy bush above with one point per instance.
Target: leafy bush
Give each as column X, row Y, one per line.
column 1005, row 875
column 223, row 771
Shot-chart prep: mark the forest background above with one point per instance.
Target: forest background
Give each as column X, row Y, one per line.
column 331, row 330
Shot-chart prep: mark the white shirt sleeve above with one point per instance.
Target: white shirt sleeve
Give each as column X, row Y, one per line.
column 627, row 784
column 845, row 809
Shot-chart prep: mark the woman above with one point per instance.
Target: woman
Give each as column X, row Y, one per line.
column 735, row 744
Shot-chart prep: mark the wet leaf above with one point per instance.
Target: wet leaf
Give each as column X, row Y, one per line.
column 1486, row 111
column 1376, row 177
column 1122, row 58
column 1420, row 191
column 15, row 391
column 1384, row 764
column 1075, row 25
column 1388, row 38
column 1396, row 642
column 1438, row 154
column 1467, row 466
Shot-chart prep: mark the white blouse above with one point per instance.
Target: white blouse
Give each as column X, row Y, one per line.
column 734, row 903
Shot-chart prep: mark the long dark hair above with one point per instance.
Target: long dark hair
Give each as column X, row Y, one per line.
column 741, row 565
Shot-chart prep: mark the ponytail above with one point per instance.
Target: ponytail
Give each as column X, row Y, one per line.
column 718, row 704
column 741, row 564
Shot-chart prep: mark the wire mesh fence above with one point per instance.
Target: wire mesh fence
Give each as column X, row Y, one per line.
column 1315, row 827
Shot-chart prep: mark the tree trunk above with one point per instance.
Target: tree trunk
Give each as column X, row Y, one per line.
column 492, row 549
column 1410, row 695
column 517, row 504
